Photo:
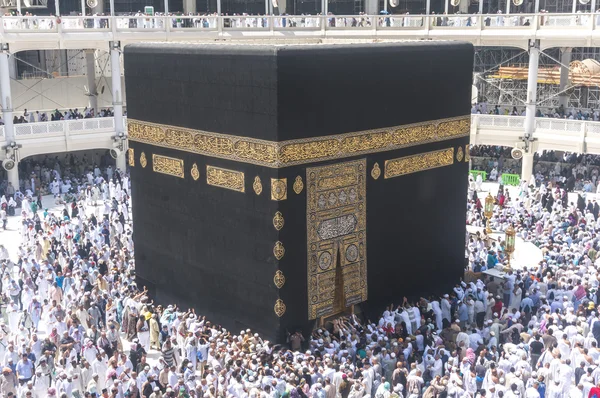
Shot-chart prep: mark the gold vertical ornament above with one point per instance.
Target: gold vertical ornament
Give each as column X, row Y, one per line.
column 279, row 308
column 278, row 250
column 278, row 221
column 195, row 172
column 459, row 154
column 467, row 153
column 298, row 185
column 131, row 157
column 336, row 234
column 143, row 160
column 257, row 185
column 279, row 279
column 278, row 189
column 376, row 171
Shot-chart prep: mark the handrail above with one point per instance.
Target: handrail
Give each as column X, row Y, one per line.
column 63, row 127
column 541, row 123
column 578, row 136
column 550, row 133
column 491, row 122
column 270, row 23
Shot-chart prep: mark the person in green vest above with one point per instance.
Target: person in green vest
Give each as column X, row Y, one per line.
column 34, row 207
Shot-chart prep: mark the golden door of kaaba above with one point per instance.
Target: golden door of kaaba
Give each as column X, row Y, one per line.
column 336, row 237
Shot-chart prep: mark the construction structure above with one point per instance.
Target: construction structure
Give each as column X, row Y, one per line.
column 505, row 84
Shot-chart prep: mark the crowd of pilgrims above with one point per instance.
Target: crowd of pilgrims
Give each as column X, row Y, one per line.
column 575, row 172
column 74, row 323
column 559, row 112
column 70, row 114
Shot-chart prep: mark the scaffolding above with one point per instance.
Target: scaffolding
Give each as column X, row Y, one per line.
column 497, row 86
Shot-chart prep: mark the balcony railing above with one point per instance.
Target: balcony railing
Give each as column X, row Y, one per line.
column 63, row 128
column 475, row 22
column 500, row 122
column 490, row 130
column 542, row 124
column 562, row 125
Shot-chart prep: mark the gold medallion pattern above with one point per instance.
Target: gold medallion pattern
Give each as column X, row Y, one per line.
column 278, row 189
column 298, row 185
column 195, row 172
column 467, row 153
column 279, row 279
column 131, row 157
column 293, row 152
column 257, row 185
column 278, row 221
column 279, row 308
column 336, row 221
column 167, row 165
column 224, row 178
column 278, row 250
column 376, row 171
column 459, row 154
column 143, row 160
column 415, row 163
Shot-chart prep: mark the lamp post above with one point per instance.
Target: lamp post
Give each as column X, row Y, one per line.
column 488, row 211
column 509, row 239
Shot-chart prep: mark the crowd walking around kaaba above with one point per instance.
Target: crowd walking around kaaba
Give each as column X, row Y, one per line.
column 74, row 323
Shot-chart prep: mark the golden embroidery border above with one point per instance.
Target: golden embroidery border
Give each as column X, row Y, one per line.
column 448, row 152
column 277, row 146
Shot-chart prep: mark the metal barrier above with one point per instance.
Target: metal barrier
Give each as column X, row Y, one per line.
column 511, row 179
column 475, row 173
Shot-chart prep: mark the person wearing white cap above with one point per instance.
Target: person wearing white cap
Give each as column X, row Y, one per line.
column 191, row 350
column 445, row 304
column 515, row 298
column 202, row 353
column 437, row 311
column 459, row 290
column 143, row 332
column 41, row 384
column 156, row 393
column 532, row 392
column 92, row 386
column 554, row 390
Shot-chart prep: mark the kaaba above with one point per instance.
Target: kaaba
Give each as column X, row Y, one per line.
column 277, row 186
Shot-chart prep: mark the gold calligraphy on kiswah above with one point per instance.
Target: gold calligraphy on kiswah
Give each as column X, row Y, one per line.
column 168, row 165
column 224, row 178
column 293, row 152
column 415, row 163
